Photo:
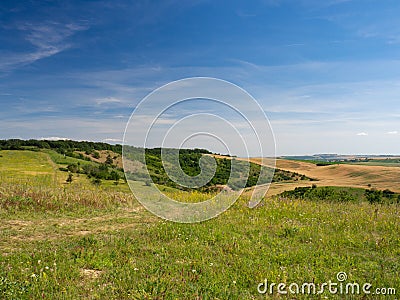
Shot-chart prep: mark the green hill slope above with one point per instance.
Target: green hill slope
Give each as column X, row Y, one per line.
column 86, row 158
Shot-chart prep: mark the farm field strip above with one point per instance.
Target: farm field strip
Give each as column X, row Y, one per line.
column 379, row 177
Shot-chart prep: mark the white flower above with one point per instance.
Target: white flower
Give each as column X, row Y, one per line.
column 33, row 275
column 211, row 264
column 234, row 282
column 193, row 271
column 136, row 269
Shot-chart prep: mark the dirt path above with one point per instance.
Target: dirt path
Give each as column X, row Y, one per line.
column 16, row 232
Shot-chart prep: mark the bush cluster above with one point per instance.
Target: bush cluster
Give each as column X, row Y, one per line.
column 101, row 171
column 341, row 195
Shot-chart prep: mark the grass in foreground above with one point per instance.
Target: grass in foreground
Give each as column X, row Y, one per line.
column 114, row 252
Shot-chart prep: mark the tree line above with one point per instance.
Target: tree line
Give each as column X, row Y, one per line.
column 61, row 146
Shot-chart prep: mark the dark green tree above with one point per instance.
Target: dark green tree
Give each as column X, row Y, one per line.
column 114, row 176
column 96, row 181
column 73, row 168
column 96, row 154
column 373, row 196
column 109, row 160
column 69, row 178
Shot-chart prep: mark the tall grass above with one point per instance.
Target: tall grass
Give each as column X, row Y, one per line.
column 224, row 258
column 41, row 193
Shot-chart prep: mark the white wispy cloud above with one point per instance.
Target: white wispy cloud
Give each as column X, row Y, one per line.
column 12, row 61
column 392, row 132
column 362, row 134
column 359, row 22
column 47, row 38
column 54, row 138
column 107, row 100
column 112, row 140
column 65, row 128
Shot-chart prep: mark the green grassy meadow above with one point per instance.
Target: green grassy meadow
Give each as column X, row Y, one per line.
column 82, row 241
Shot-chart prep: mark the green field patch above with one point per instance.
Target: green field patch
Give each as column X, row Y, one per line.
column 64, row 160
column 29, row 162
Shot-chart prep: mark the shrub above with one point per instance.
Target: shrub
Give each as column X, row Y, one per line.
column 320, row 193
column 73, row 168
column 388, row 193
column 323, row 164
column 373, row 196
column 96, row 181
column 114, row 176
column 109, row 160
column 69, row 178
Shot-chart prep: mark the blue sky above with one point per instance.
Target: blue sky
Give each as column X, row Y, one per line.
column 327, row 73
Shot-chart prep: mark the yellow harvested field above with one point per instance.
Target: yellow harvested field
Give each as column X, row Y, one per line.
column 361, row 176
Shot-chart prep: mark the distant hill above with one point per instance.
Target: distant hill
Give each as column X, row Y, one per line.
column 243, row 173
column 107, row 161
column 332, row 157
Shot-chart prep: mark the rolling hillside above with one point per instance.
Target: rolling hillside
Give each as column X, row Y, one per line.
column 78, row 240
column 361, row 176
column 102, row 161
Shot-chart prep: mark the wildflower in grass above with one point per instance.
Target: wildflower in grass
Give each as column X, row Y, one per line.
column 135, row 269
column 194, row 271
column 211, row 264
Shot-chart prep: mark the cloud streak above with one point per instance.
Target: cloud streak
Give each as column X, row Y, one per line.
column 46, row 39
column 362, row 134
